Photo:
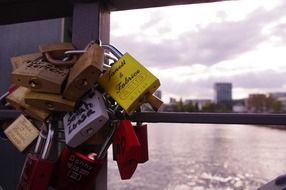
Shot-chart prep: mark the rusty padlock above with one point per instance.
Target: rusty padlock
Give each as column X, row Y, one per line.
column 21, row 133
column 128, row 82
column 40, row 76
column 16, row 99
column 38, row 169
column 85, row 72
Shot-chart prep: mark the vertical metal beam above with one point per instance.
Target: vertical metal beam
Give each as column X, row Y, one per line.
column 91, row 22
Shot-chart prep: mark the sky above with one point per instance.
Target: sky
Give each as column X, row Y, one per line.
column 190, row 47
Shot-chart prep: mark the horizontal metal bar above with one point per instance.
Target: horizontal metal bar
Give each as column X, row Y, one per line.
column 9, row 114
column 191, row 117
column 215, row 118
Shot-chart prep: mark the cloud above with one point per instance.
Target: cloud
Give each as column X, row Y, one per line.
column 209, row 45
column 242, row 50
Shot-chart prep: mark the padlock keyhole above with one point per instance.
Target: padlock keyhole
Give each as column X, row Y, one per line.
column 50, row 105
column 33, row 83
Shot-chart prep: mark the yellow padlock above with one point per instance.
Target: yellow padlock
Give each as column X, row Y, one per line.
column 129, row 83
column 16, row 99
column 21, row 133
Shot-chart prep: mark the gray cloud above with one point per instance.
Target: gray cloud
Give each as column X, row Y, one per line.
column 214, row 43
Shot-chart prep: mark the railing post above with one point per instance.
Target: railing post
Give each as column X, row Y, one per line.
column 91, row 22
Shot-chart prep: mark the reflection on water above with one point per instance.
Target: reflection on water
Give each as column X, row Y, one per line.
column 205, row 157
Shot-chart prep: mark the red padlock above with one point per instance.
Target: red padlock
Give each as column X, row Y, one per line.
column 126, row 149
column 77, row 169
column 142, row 134
column 37, row 170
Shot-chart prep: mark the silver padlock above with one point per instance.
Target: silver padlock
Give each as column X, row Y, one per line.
column 88, row 118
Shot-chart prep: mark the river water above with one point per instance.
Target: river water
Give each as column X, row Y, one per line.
column 206, row 157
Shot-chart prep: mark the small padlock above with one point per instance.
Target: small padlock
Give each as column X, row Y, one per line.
column 86, row 120
column 77, row 169
column 47, row 101
column 40, row 76
column 127, row 81
column 16, row 99
column 142, row 135
column 55, row 53
column 84, row 73
column 21, row 133
column 37, row 170
column 18, row 61
column 126, row 149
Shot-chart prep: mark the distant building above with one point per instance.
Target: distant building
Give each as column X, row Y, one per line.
column 223, row 94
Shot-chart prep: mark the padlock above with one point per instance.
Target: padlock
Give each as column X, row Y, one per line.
column 84, row 73
column 77, row 169
column 154, row 101
column 55, row 53
column 47, row 101
column 142, row 135
column 89, row 116
column 127, row 81
column 18, row 61
column 40, row 76
column 21, row 133
column 38, row 169
column 126, row 149
column 16, row 99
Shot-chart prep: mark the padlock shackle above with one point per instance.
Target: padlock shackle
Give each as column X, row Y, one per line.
column 113, row 50
column 108, row 141
column 48, row 143
column 41, row 139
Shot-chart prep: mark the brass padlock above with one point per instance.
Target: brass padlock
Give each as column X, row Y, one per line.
column 17, row 61
column 55, row 53
column 154, row 101
column 52, row 102
column 21, row 133
column 16, row 99
column 128, row 82
column 40, row 76
column 84, row 73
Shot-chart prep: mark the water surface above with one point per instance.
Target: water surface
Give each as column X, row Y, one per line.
column 205, row 157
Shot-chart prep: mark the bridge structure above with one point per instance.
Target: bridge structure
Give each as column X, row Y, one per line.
column 91, row 21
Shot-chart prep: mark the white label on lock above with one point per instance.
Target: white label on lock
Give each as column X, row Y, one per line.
column 83, row 123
